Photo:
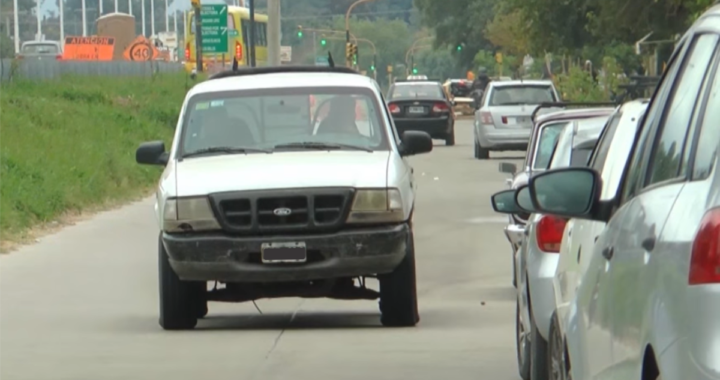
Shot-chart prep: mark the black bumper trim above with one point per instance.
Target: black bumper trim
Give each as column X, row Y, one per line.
column 349, row 253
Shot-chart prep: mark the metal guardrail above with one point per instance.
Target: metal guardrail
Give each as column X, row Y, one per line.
column 49, row 69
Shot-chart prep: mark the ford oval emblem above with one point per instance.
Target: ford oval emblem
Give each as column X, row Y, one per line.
column 282, row 211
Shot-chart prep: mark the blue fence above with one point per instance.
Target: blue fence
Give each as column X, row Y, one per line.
column 43, row 70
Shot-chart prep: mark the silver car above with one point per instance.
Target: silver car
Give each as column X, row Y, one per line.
column 41, row 50
column 537, row 159
column 538, row 255
column 503, row 120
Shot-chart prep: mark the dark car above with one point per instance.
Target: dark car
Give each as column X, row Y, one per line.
column 422, row 106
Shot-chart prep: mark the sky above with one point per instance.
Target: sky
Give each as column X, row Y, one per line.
column 52, row 5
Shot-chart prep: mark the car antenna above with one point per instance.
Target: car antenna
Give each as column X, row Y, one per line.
column 331, row 62
column 235, row 64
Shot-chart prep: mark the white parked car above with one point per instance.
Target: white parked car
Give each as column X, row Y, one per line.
column 578, row 239
column 285, row 182
column 537, row 256
column 648, row 303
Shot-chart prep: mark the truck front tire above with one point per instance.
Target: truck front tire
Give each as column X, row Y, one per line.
column 398, row 292
column 179, row 300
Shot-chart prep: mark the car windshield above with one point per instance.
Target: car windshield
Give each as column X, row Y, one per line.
column 516, row 95
column 416, row 91
column 283, row 119
column 40, row 49
column 546, row 143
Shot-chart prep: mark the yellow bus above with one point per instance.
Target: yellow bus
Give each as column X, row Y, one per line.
column 238, row 21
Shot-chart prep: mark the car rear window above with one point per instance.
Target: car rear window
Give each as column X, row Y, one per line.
column 546, row 144
column 41, row 49
column 416, row 91
column 521, row 94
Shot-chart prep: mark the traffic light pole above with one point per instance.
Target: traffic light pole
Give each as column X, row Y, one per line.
column 251, row 37
column 348, row 59
column 198, row 37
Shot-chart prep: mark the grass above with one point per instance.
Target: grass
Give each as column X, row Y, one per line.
column 68, row 145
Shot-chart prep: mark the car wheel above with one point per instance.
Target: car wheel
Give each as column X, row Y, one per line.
column 398, row 292
column 514, row 269
column 482, row 153
column 202, row 304
column 450, row 139
column 522, row 345
column 538, row 352
column 178, row 299
column 476, row 153
column 558, row 366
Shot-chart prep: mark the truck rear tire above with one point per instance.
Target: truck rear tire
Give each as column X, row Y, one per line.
column 398, row 292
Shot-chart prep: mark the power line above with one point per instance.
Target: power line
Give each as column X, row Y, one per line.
column 354, row 14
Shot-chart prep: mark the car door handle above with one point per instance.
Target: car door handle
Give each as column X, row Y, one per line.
column 608, row 253
column 649, row 243
column 569, row 232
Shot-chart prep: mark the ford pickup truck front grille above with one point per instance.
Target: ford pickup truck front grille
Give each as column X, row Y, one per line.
column 295, row 210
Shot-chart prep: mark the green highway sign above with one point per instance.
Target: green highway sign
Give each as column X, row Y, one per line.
column 214, row 28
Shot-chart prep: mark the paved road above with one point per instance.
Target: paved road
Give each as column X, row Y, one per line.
column 82, row 304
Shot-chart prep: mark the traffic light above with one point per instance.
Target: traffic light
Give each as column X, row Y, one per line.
column 415, row 70
column 459, row 47
column 348, row 51
column 355, row 54
column 300, row 31
column 323, row 42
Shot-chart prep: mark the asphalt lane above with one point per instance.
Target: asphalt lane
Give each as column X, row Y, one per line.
column 82, row 304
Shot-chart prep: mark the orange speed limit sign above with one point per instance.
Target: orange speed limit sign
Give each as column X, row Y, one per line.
column 141, row 50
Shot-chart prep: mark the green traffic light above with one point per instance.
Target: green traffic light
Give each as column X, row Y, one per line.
column 323, row 42
column 300, row 34
column 459, row 47
column 372, row 67
column 414, row 71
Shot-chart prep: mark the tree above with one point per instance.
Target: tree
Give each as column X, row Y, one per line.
column 510, row 32
column 459, row 22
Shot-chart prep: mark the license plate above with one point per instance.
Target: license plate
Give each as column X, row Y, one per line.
column 272, row 253
column 416, row 110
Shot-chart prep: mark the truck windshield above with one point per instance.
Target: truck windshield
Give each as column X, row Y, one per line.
column 302, row 117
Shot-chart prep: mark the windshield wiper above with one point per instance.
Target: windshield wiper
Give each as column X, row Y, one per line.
column 226, row 150
column 321, row 146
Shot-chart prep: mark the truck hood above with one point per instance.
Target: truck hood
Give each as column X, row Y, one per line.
column 280, row 170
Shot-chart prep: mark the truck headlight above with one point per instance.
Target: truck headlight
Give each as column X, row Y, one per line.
column 377, row 206
column 189, row 215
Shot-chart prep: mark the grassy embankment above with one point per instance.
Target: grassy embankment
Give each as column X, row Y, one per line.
column 68, row 145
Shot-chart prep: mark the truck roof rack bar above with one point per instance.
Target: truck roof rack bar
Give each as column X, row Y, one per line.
column 245, row 71
column 570, row 104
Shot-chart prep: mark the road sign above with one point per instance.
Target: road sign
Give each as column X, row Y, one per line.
column 321, row 61
column 214, row 28
column 141, row 50
column 94, row 48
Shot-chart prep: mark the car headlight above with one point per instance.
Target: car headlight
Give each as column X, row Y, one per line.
column 189, row 215
column 377, row 206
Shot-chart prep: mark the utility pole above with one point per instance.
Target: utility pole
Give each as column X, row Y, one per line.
column 273, row 32
column 142, row 16
column 251, row 37
column 61, row 8
column 16, row 27
column 84, row 20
